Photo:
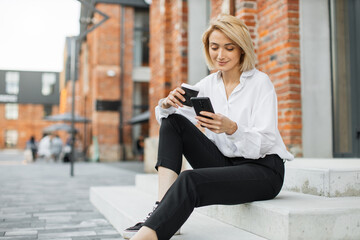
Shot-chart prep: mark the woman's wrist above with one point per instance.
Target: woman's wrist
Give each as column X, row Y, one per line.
column 232, row 129
column 164, row 105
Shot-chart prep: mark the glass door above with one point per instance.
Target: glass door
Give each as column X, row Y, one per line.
column 345, row 25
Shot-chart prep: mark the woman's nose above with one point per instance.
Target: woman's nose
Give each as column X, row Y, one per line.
column 221, row 54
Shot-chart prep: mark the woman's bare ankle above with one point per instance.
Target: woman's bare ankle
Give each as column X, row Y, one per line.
column 145, row 233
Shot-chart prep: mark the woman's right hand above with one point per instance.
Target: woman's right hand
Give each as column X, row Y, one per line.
column 172, row 100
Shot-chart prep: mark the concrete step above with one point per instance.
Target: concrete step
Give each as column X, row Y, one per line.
column 125, row 206
column 323, row 177
column 289, row 216
column 294, row 216
column 319, row 177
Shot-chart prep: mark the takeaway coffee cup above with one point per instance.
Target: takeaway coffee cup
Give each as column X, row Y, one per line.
column 190, row 91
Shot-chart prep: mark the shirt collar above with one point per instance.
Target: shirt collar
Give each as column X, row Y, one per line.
column 248, row 73
column 245, row 74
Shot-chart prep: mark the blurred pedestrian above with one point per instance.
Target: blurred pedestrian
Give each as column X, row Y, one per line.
column 31, row 146
column 44, row 147
column 140, row 147
column 56, row 147
column 67, row 150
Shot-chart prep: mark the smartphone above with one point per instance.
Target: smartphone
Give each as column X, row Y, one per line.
column 202, row 104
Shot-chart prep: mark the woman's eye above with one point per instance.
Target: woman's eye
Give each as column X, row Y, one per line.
column 230, row 49
column 214, row 49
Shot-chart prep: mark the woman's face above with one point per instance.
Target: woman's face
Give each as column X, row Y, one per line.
column 224, row 53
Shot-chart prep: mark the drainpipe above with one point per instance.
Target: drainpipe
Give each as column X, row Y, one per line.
column 121, row 109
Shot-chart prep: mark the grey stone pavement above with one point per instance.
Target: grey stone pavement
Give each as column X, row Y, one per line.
column 41, row 201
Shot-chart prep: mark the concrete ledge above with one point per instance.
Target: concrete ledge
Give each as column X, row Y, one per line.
column 294, row 216
column 323, row 177
column 125, row 206
column 319, row 177
column 288, row 216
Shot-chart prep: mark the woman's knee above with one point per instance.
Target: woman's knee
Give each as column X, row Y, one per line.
column 167, row 124
column 187, row 179
column 173, row 120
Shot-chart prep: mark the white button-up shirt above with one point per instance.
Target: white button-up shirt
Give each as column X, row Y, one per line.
column 252, row 105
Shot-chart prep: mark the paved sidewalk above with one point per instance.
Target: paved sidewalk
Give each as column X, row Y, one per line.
column 41, row 201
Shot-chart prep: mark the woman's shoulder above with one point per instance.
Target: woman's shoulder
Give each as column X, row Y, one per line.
column 260, row 76
column 261, row 79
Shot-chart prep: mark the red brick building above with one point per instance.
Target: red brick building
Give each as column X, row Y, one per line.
column 112, row 78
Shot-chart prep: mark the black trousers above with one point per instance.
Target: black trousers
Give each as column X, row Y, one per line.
column 215, row 178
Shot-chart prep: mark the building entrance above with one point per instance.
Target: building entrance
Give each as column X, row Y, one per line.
column 345, row 36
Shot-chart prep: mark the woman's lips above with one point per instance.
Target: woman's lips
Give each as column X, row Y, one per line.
column 222, row 63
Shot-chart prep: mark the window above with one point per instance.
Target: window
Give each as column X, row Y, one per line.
column 12, row 82
column 11, row 138
column 47, row 110
column 48, row 83
column 11, row 111
column 141, row 38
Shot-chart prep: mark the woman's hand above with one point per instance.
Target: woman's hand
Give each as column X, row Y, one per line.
column 218, row 124
column 173, row 99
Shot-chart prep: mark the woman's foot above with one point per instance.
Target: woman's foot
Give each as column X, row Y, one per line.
column 131, row 231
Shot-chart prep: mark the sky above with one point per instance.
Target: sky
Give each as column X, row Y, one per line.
column 32, row 33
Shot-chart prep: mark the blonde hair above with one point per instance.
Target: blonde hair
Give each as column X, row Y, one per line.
column 237, row 31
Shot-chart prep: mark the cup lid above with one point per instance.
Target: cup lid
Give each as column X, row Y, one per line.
column 185, row 85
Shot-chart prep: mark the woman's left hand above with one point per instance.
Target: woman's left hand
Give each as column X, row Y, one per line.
column 218, row 124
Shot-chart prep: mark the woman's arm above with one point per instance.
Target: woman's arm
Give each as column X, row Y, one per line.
column 250, row 141
column 259, row 137
column 172, row 104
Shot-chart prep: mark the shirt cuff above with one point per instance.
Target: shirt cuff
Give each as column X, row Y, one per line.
column 237, row 134
column 162, row 112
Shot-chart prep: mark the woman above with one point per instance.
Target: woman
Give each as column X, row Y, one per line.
column 32, row 146
column 240, row 158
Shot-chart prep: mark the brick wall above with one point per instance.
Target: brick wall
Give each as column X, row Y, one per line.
column 168, row 51
column 216, row 7
column 247, row 11
column 278, row 53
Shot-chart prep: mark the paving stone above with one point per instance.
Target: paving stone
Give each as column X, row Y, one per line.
column 20, row 219
column 20, row 232
column 99, row 237
column 19, row 238
column 9, row 225
column 22, row 229
column 106, row 232
column 51, row 214
column 60, row 238
column 67, row 234
column 111, row 238
column 68, row 230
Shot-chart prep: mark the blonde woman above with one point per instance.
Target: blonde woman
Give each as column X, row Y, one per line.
column 240, row 158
